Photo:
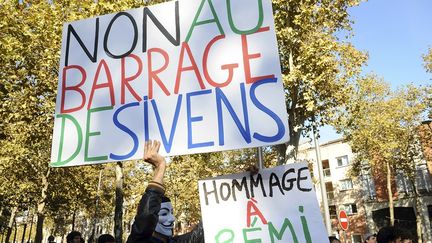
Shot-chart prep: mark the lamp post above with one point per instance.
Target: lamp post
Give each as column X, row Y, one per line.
column 321, row 181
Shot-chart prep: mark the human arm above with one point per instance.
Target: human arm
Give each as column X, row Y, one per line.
column 146, row 218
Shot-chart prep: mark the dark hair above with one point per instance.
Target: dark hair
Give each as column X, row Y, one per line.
column 406, row 235
column 105, row 238
column 332, row 238
column 165, row 199
column 51, row 238
column 387, row 234
column 72, row 235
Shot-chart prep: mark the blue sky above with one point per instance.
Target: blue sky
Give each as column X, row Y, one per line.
column 395, row 33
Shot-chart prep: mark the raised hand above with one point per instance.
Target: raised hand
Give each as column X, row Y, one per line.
column 151, row 154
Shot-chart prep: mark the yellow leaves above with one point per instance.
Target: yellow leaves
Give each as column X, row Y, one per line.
column 380, row 123
column 428, row 61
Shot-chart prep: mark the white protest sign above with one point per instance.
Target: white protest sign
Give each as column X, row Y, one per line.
column 277, row 205
column 197, row 75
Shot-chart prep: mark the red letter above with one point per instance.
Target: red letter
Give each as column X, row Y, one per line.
column 181, row 69
column 154, row 74
column 108, row 84
column 230, row 67
column 125, row 80
column 75, row 87
column 247, row 57
column 252, row 210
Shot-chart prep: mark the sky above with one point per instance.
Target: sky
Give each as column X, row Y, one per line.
column 395, row 33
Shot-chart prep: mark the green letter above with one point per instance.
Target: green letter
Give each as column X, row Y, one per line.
column 79, row 133
column 246, row 240
column 88, row 134
column 305, row 226
column 245, row 32
column 273, row 232
column 196, row 22
column 229, row 240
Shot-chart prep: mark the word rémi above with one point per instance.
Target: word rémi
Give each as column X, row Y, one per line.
column 249, row 187
column 151, row 114
column 253, row 233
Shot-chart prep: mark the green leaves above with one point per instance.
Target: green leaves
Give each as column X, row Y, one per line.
column 317, row 67
column 428, row 61
column 382, row 124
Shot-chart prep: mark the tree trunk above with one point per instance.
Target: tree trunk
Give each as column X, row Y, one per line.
column 16, row 230
column 23, row 233
column 94, row 221
column 418, row 211
column 31, row 228
column 390, row 194
column 10, row 224
column 41, row 208
column 118, row 214
column 73, row 219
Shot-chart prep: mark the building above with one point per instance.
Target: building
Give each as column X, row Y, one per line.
column 364, row 198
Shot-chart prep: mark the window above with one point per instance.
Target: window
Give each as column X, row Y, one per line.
column 346, row 184
column 349, row 208
column 332, row 211
column 342, row 161
column 368, row 186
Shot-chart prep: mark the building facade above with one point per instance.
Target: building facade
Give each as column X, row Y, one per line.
column 364, row 197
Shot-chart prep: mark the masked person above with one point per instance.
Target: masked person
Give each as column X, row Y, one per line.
column 154, row 221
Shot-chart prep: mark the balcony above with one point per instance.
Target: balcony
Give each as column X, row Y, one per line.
column 327, row 173
column 330, row 196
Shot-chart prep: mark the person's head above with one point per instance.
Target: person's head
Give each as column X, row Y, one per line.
column 389, row 234
column 166, row 218
column 51, row 239
column 406, row 236
column 106, row 238
column 73, row 237
column 370, row 238
column 333, row 239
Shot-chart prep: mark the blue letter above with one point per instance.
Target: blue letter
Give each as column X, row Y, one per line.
column 281, row 128
column 126, row 130
column 167, row 144
column 191, row 119
column 245, row 131
column 146, row 128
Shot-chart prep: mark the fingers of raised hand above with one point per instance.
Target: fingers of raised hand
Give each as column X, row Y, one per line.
column 151, row 151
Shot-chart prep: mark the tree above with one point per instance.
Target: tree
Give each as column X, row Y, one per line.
column 30, row 35
column 382, row 128
column 428, row 61
column 317, row 66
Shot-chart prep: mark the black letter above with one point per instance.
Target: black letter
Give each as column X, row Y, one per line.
column 221, row 191
column 299, row 178
column 291, row 181
column 255, row 184
column 274, row 181
column 162, row 29
column 207, row 193
column 107, row 32
column 72, row 30
column 239, row 187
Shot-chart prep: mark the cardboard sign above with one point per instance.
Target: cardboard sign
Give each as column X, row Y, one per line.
column 276, row 205
column 197, row 75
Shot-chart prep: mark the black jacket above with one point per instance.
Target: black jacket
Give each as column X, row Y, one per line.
column 147, row 218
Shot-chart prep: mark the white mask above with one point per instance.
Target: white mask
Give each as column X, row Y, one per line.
column 166, row 219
